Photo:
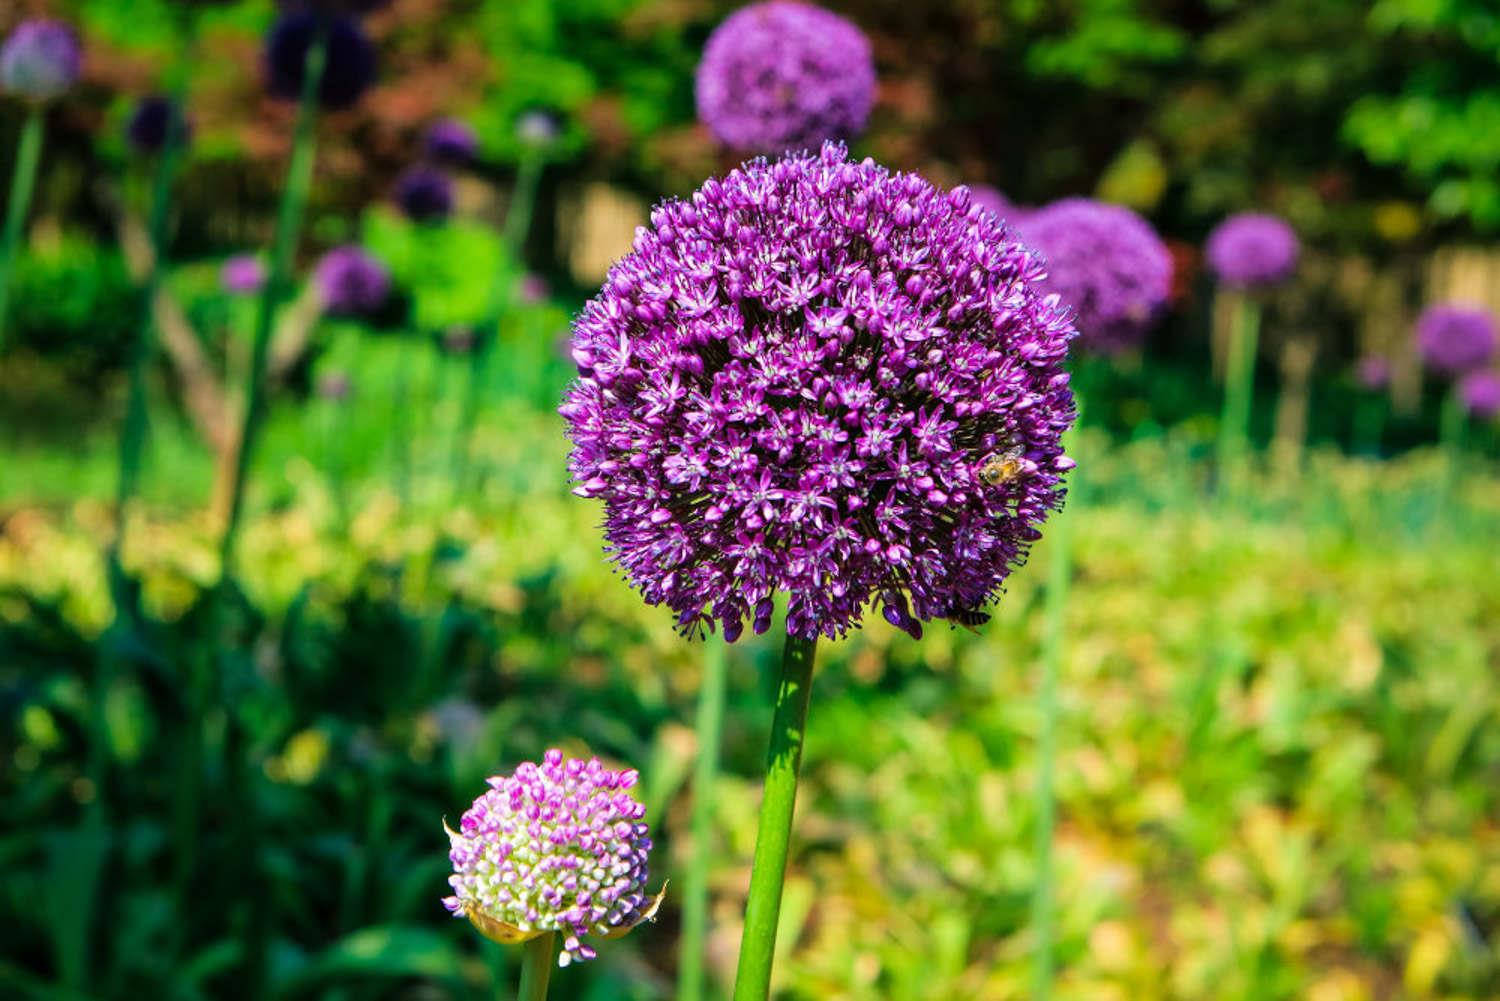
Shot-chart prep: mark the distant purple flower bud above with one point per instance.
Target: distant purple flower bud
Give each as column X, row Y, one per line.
column 425, row 195
column 1480, row 394
column 242, row 275
column 1108, row 265
column 782, row 75
column 40, row 61
column 149, row 123
column 351, row 282
column 557, row 847
column 1373, row 373
column 335, row 7
column 534, row 289
column 820, row 378
column 458, row 340
column 335, row 386
column 1453, row 338
column 452, row 142
column 350, row 68
column 1253, row 250
column 538, row 127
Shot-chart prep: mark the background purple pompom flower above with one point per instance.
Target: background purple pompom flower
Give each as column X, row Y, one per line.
column 780, row 75
column 1479, row 392
column 1373, row 373
column 351, row 282
column 425, row 194
column 40, row 60
column 1253, row 249
column 242, row 275
column 1108, row 265
column 820, row 378
column 452, row 142
column 1453, row 338
column 150, row 120
column 351, row 59
column 556, row 847
column 993, row 200
column 335, row 7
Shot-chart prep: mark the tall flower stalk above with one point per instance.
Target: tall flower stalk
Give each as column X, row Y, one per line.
column 1239, row 391
column 695, row 896
column 22, row 185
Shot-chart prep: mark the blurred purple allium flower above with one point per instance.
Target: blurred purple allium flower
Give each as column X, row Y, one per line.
column 335, row 7
column 538, row 127
column 534, row 289
column 1253, row 249
column 350, row 69
column 781, row 75
column 40, row 60
column 1373, row 373
column 452, row 142
column 242, row 275
column 425, row 194
column 335, row 386
column 1453, row 338
column 1479, row 391
column 822, row 378
column 351, row 282
column 146, row 131
column 993, row 200
column 1108, row 265
column 556, row 847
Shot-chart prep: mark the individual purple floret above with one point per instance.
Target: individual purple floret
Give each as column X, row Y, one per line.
column 1453, row 338
column 40, row 61
column 780, row 75
column 242, row 275
column 556, row 847
column 1108, row 265
column 350, row 68
column 146, row 131
column 821, row 378
column 1253, row 249
column 1373, row 373
column 351, row 282
column 452, row 143
column 425, row 194
column 1479, row 392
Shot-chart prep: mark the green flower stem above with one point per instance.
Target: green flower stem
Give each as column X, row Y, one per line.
column 538, row 956
column 772, row 842
column 22, row 184
column 1239, row 391
column 690, row 972
column 1451, row 432
column 1369, row 425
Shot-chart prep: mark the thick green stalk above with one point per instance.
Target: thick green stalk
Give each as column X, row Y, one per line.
column 1369, row 425
column 288, row 230
column 705, row 782
column 22, row 184
column 1059, row 575
column 1451, row 431
column 1239, row 391
column 752, row 980
column 538, row 956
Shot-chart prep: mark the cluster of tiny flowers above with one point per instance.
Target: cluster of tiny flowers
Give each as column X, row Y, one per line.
column 425, row 194
column 820, row 378
column 1479, row 392
column 556, row 847
column 40, row 60
column 350, row 60
column 1453, row 339
column 1253, row 249
column 452, row 143
column 351, row 282
column 1108, row 265
column 777, row 76
column 1373, row 373
column 149, row 123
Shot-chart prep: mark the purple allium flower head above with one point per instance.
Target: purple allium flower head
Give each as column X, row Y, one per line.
column 146, row 131
column 352, row 282
column 242, row 275
column 556, row 847
column 350, row 69
column 1373, row 373
column 538, row 127
column 1253, row 249
column 452, row 142
column 1108, row 265
column 425, row 194
column 1454, row 338
column 1479, row 391
column 534, row 289
column 822, row 378
column 335, row 7
column 781, row 75
column 40, row 60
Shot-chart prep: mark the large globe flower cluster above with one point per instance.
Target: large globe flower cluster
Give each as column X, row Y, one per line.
column 1253, row 250
column 781, row 75
column 821, row 378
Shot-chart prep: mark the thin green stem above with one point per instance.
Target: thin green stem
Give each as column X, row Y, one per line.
column 1059, row 576
column 773, row 840
column 538, row 956
column 1369, row 425
column 1239, row 391
column 690, row 973
column 1451, row 431
column 22, row 185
